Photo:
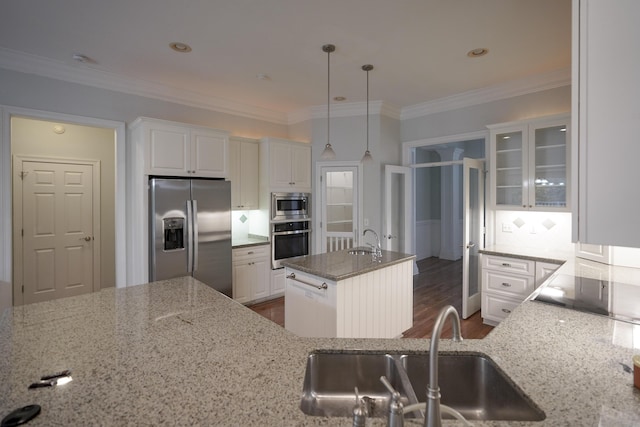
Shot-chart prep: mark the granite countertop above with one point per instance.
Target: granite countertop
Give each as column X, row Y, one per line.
column 249, row 241
column 340, row 265
column 177, row 352
column 545, row 255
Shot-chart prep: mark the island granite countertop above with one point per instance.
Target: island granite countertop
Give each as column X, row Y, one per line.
column 340, row 265
column 177, row 352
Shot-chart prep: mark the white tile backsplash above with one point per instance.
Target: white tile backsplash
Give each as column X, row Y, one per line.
column 538, row 230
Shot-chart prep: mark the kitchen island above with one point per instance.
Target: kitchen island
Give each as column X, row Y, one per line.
column 349, row 294
column 177, row 352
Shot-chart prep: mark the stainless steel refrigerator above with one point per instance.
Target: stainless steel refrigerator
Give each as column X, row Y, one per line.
column 190, row 230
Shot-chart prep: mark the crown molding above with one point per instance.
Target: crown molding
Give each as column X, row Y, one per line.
column 349, row 109
column 85, row 75
column 497, row 92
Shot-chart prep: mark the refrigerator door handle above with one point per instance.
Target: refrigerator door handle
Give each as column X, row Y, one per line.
column 190, row 225
column 195, row 235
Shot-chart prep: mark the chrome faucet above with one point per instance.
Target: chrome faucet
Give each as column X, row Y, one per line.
column 378, row 249
column 433, row 417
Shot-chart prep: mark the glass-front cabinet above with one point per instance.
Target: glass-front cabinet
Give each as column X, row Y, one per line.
column 530, row 164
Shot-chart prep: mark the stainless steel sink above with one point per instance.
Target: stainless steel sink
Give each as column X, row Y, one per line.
column 469, row 382
column 359, row 251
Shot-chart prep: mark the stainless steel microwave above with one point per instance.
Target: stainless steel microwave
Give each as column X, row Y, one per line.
column 290, row 206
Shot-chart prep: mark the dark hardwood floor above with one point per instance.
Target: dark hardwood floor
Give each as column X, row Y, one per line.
column 438, row 284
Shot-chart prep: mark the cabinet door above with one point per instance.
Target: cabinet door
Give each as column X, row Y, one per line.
column 280, row 164
column 301, row 166
column 607, row 101
column 277, row 281
column 261, row 279
column 243, row 277
column 209, row 155
column 543, row 271
column 548, row 165
column 509, row 168
column 168, row 150
column 249, row 178
column 235, row 174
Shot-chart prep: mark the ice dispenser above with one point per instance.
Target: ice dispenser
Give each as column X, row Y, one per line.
column 173, row 229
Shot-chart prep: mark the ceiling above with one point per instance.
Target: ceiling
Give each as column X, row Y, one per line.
column 418, row 47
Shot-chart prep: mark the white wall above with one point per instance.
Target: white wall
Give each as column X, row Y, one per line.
column 36, row 138
column 477, row 117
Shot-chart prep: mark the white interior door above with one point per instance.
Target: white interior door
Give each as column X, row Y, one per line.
column 57, row 206
column 398, row 190
column 339, row 207
column 473, row 234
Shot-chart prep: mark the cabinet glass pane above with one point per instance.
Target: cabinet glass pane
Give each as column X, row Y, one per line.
column 340, row 201
column 509, row 172
column 550, row 176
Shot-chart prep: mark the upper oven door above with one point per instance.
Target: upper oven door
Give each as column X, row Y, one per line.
column 289, row 206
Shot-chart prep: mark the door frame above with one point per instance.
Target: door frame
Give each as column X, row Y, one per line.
column 318, row 202
column 6, row 196
column 18, row 159
column 472, row 304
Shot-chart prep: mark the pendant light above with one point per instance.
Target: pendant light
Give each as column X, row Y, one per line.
column 328, row 153
column 367, row 154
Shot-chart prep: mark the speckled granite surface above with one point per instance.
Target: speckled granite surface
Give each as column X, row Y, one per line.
column 340, row 265
column 178, row 353
column 524, row 252
column 250, row 240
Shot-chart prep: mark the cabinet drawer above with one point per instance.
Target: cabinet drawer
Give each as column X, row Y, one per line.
column 514, row 265
column 497, row 308
column 241, row 254
column 510, row 285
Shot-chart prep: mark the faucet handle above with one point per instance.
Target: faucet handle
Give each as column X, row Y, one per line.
column 395, row 416
column 362, row 409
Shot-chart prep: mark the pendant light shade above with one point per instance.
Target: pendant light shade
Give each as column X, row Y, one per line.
column 367, row 154
column 328, row 153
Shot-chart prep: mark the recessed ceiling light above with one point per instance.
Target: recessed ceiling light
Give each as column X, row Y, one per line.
column 82, row 58
column 474, row 53
column 59, row 129
column 180, row 47
column 339, row 98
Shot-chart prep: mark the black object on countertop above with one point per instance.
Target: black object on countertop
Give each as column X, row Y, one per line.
column 21, row 416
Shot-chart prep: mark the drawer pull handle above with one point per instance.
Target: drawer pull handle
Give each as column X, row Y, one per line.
column 505, row 310
column 250, row 252
column 292, row 276
column 506, row 264
column 506, row 285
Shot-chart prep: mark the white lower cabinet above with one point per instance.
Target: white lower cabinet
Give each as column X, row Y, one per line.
column 251, row 278
column 277, row 282
column 506, row 282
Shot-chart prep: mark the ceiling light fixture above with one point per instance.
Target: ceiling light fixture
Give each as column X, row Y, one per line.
column 82, row 58
column 367, row 154
column 180, row 47
column 328, row 153
column 474, row 53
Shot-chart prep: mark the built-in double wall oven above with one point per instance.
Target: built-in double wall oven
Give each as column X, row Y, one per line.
column 290, row 226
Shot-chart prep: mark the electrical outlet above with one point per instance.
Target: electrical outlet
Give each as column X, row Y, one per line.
column 507, row 227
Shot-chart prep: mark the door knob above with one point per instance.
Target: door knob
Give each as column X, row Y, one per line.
column 470, row 245
column 86, row 239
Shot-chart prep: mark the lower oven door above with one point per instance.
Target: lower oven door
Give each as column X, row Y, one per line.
column 288, row 244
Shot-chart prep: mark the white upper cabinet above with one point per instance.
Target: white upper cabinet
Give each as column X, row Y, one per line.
column 178, row 149
column 606, row 106
column 530, row 164
column 286, row 165
column 243, row 173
